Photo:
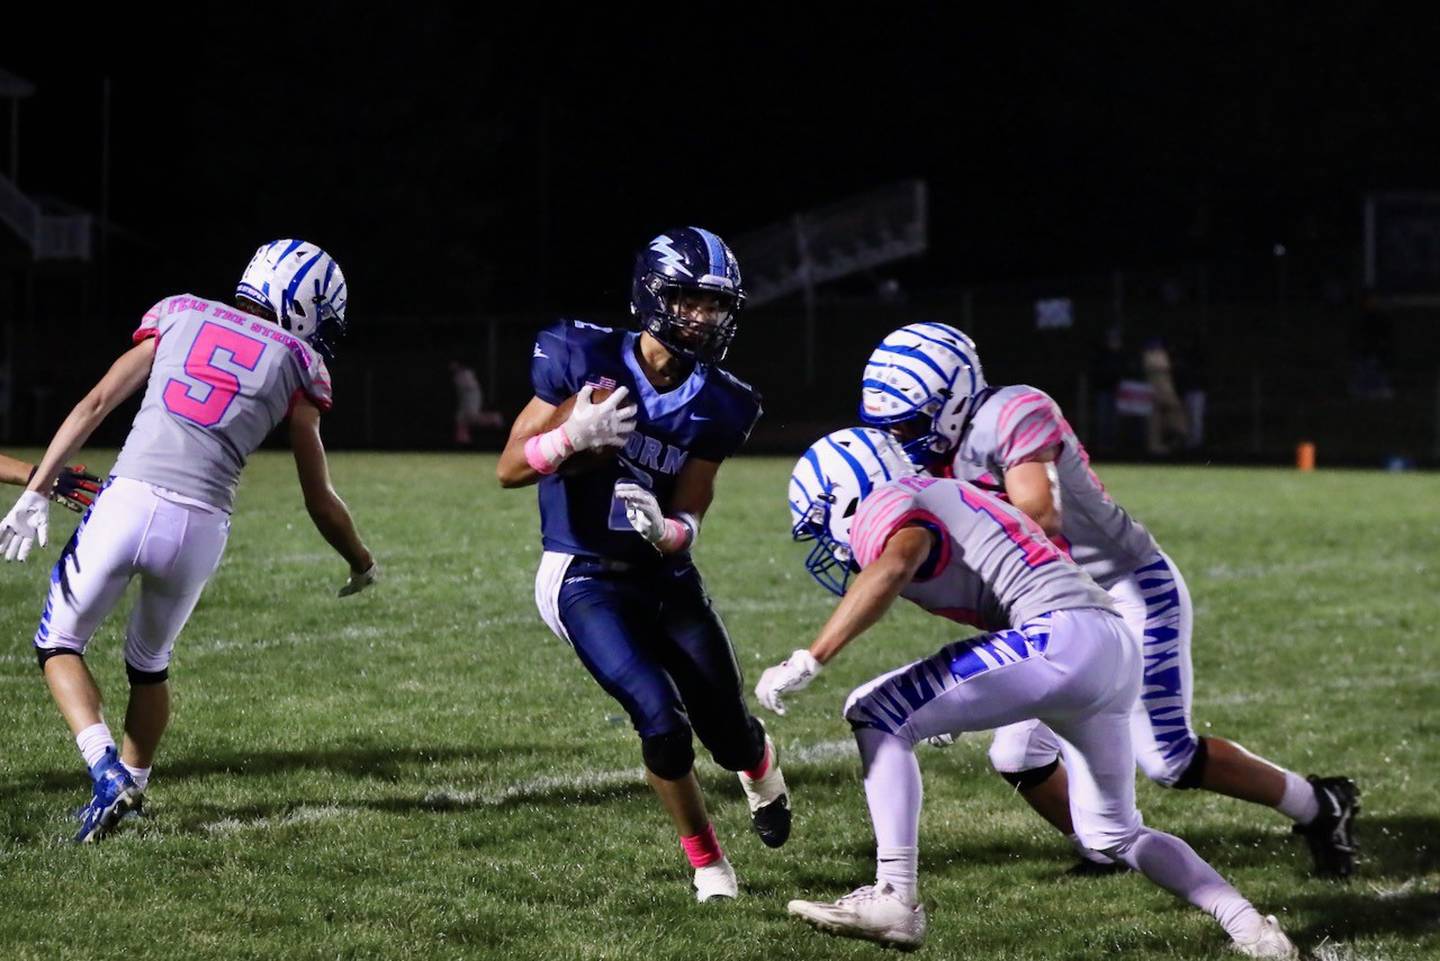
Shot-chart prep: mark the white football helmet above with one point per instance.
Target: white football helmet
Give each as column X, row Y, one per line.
column 826, row 488
column 303, row 286
column 929, row 373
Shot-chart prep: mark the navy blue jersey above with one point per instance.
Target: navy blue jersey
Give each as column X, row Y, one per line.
column 709, row 415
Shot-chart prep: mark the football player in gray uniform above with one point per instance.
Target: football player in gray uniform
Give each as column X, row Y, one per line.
column 924, row 383
column 219, row 378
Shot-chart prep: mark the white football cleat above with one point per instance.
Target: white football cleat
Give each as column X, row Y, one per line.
column 875, row 913
column 768, row 799
column 1272, row 943
column 716, row 881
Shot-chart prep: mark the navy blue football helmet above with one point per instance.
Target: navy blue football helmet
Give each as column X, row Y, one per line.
column 686, row 293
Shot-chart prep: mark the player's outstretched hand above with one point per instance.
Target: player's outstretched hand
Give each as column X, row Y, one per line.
column 605, row 424
column 642, row 510
column 27, row 522
column 75, row 488
column 940, row 740
column 791, row 674
column 358, row 582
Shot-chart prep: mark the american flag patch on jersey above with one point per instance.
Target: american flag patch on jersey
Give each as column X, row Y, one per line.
column 601, row 383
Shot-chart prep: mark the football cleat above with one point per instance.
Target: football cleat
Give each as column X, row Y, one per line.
column 768, row 800
column 1272, row 943
column 1332, row 834
column 115, row 795
column 874, row 913
column 716, row 882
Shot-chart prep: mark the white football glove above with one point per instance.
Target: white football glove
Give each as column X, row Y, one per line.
column 791, row 674
column 605, row 424
column 358, row 582
column 27, row 522
column 642, row 510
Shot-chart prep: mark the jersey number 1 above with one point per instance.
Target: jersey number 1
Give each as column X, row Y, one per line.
column 1024, row 533
column 205, row 403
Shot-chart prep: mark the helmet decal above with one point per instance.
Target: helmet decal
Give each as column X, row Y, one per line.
column 686, row 293
column 828, row 483
column 921, row 381
column 303, row 287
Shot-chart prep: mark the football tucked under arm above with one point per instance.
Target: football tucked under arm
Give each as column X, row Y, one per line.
column 596, row 422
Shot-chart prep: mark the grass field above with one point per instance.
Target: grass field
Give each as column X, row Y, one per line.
column 423, row 771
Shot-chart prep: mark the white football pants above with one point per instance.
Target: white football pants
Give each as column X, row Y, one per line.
column 1155, row 604
column 1079, row 670
column 173, row 543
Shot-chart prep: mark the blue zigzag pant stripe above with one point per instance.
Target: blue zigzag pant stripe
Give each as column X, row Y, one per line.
column 891, row 703
column 1162, row 694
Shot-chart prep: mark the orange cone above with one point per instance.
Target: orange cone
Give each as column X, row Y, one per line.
column 1305, row 456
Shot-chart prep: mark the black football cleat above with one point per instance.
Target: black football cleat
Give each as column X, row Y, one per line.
column 768, row 800
column 1331, row 835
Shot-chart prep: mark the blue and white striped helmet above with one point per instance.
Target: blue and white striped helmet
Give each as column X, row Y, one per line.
column 826, row 488
column 303, row 286
column 929, row 373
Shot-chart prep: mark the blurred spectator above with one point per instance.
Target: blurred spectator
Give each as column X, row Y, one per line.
column 1192, row 381
column 1167, row 415
column 469, row 406
column 1107, row 369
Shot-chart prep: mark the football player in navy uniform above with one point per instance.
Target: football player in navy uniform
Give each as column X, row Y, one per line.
column 616, row 580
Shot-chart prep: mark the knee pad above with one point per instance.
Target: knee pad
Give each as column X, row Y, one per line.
column 43, row 654
column 143, row 660
column 1025, row 780
column 669, row 755
column 138, row 677
column 741, row 750
column 1194, row 774
column 1022, row 747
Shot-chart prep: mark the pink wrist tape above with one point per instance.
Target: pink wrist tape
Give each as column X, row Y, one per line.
column 679, row 534
column 545, row 452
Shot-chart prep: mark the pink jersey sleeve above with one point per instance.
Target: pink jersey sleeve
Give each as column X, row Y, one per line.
column 150, row 323
column 886, row 511
column 318, row 386
column 1027, row 426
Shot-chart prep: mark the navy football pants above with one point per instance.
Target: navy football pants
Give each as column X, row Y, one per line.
column 651, row 638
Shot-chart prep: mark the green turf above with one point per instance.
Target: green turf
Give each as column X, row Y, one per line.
column 424, row 772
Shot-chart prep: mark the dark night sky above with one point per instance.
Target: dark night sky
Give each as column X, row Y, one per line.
column 455, row 162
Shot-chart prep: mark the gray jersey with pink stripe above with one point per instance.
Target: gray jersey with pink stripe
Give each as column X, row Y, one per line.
column 1017, row 424
column 994, row 567
column 220, row 382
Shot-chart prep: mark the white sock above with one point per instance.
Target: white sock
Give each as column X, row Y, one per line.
column 894, row 792
column 93, row 742
column 140, row 775
column 1299, row 802
column 900, row 868
column 1087, row 853
column 1174, row 865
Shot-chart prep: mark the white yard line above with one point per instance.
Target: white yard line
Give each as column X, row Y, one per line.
column 823, row 752
column 545, row 785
